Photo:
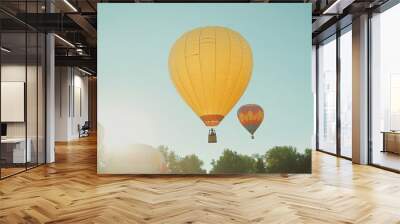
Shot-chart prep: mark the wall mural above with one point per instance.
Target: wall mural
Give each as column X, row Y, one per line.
column 171, row 74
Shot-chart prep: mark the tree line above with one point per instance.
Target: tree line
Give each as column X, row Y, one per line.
column 279, row 159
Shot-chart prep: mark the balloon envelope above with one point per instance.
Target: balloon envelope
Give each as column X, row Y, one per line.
column 211, row 68
column 251, row 116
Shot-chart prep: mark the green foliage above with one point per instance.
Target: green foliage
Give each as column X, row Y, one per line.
column 260, row 164
column 305, row 162
column 189, row 164
column 286, row 159
column 279, row 159
column 232, row 162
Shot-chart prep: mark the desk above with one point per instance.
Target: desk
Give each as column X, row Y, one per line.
column 391, row 142
column 13, row 150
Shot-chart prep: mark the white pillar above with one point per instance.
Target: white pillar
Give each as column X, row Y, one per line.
column 65, row 125
column 360, row 90
column 50, row 99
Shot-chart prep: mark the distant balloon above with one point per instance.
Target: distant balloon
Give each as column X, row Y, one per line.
column 210, row 68
column 251, row 116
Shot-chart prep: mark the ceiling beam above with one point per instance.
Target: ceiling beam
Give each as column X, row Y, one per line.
column 338, row 6
column 85, row 25
column 81, row 61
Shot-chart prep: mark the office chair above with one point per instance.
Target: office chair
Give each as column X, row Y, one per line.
column 84, row 130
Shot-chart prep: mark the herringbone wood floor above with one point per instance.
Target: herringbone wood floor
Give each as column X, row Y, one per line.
column 69, row 191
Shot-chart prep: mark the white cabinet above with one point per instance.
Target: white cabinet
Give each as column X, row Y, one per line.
column 18, row 149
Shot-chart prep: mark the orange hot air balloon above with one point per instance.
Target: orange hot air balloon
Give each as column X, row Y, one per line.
column 211, row 68
column 251, row 116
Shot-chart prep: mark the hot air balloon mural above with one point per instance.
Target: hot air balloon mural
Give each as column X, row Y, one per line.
column 251, row 116
column 211, row 68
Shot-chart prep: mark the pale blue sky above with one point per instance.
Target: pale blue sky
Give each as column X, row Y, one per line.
column 137, row 102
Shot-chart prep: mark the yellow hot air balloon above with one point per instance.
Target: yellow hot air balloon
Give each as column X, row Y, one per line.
column 211, row 68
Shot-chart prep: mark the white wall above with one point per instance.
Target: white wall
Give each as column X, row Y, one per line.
column 12, row 73
column 62, row 81
column 33, row 127
column 80, row 110
column 71, row 102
